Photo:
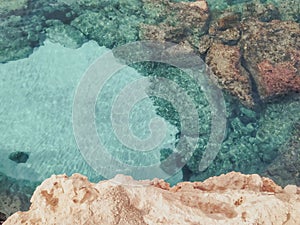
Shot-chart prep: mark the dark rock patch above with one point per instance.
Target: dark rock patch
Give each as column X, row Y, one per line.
column 19, row 157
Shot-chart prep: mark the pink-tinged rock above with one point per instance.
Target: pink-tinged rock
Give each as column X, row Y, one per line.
column 279, row 78
column 271, row 54
column 233, row 198
column 225, row 62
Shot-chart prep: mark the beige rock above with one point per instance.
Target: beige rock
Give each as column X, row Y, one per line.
column 225, row 62
column 179, row 21
column 233, row 198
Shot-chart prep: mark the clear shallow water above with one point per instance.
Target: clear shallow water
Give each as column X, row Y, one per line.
column 36, row 110
column 37, row 113
column 37, row 90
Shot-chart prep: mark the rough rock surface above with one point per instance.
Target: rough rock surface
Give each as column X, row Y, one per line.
column 175, row 22
column 285, row 168
column 14, row 196
column 267, row 56
column 225, row 62
column 271, row 51
column 6, row 7
column 233, row 198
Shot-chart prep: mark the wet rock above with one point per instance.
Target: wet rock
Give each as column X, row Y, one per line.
column 286, row 167
column 204, row 44
column 64, row 34
column 226, row 28
column 109, row 29
column 14, row 196
column 161, row 33
column 175, row 22
column 279, row 78
column 230, row 36
column 271, row 53
column 19, row 157
column 263, row 12
column 8, row 7
column 225, row 62
column 225, row 21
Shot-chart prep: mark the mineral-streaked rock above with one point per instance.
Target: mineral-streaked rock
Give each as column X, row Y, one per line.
column 233, row 198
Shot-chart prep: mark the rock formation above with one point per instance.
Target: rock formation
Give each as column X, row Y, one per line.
column 14, row 195
column 266, row 52
column 285, row 168
column 271, row 52
column 225, row 61
column 233, row 198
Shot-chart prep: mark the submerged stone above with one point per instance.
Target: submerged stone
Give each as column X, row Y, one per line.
column 271, row 53
column 19, row 157
column 225, row 62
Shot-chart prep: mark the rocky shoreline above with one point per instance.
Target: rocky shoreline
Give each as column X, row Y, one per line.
column 232, row 198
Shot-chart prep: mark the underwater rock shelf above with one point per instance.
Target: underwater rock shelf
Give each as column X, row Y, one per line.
column 232, row 198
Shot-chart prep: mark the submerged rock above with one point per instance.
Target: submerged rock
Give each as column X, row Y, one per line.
column 271, row 52
column 285, row 168
column 14, row 196
column 7, row 7
column 225, row 62
column 279, row 78
column 175, row 22
column 65, row 35
column 233, row 198
column 19, row 157
column 17, row 37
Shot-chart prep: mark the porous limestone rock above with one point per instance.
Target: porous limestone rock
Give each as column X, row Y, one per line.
column 175, row 21
column 233, row 198
column 225, row 62
column 271, row 53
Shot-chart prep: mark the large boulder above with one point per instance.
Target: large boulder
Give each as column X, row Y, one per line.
column 271, row 52
column 225, row 62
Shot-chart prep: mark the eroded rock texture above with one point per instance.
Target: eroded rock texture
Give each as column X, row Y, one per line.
column 285, row 168
column 271, row 51
column 266, row 56
column 233, row 198
column 225, row 61
column 174, row 22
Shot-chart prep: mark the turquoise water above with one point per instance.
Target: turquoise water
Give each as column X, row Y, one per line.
column 36, row 96
column 47, row 49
